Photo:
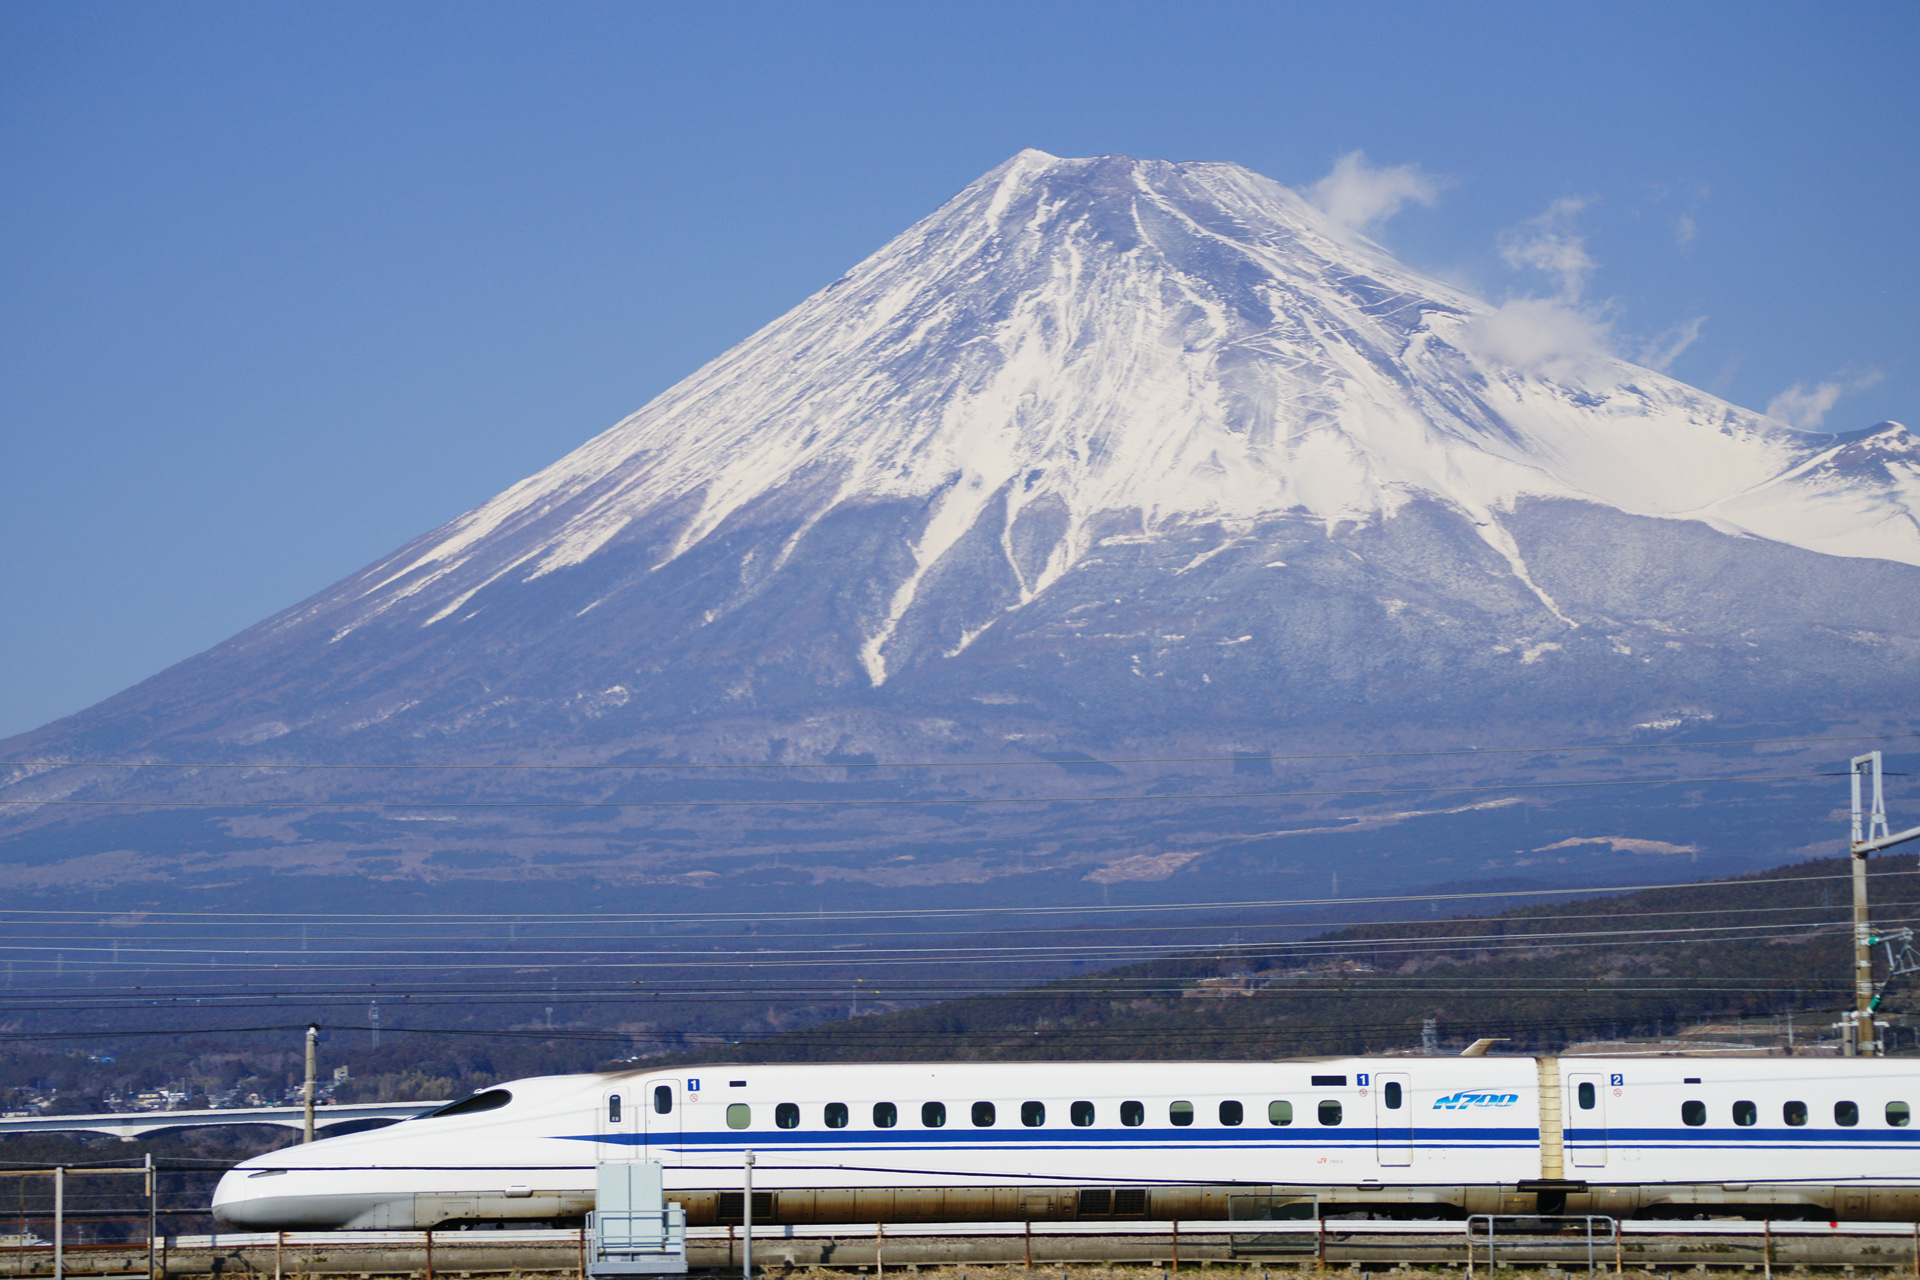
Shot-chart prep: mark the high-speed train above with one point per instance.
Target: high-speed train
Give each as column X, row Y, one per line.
column 1098, row 1141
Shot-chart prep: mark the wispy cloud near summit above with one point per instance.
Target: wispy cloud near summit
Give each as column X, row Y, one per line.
column 1807, row 407
column 1360, row 196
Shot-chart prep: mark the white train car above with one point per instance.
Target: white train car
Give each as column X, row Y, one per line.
column 1410, row 1137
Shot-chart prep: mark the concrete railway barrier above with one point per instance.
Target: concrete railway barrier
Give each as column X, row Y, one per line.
column 1640, row 1248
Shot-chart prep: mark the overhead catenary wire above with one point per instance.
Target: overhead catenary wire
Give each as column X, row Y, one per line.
column 1237, row 758
column 916, row 913
column 132, row 946
column 870, row 802
column 522, row 957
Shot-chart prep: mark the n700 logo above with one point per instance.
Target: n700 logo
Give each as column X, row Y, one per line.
column 1466, row 1098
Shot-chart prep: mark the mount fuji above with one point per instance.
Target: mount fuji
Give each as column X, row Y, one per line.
column 1105, row 457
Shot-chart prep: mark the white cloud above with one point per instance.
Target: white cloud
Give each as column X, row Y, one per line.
column 1659, row 352
column 1544, row 336
column 1685, row 228
column 1359, row 196
column 1806, row 407
column 1551, row 244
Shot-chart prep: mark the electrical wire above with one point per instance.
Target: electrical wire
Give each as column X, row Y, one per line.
column 973, row 764
column 918, row 913
column 870, row 802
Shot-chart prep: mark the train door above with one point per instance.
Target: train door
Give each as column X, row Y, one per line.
column 614, row 1125
column 1393, row 1119
column 1584, row 1112
column 664, row 1117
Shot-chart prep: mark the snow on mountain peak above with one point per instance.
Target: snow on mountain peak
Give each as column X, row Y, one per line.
column 1180, row 344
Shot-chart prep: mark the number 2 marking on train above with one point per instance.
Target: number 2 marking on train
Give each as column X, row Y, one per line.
column 1616, row 1080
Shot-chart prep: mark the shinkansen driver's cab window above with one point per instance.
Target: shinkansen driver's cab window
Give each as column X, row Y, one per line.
column 489, row 1100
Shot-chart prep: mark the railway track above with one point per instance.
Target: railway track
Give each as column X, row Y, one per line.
column 1636, row 1248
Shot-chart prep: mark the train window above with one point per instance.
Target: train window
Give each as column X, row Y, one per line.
column 1033, row 1114
column 1133, row 1114
column 613, row 1108
column 490, row 1100
column 1794, row 1113
column 983, row 1115
column 885, row 1115
column 1081, row 1113
column 1899, row 1115
column 1846, row 1114
column 786, row 1116
column 739, row 1115
column 1329, row 1112
column 1693, row 1113
column 1587, row 1095
column 663, row 1098
column 836, row 1115
column 1231, row 1113
column 1181, row 1113
column 1745, row 1114
column 933, row 1114
column 1395, row 1096
column 1279, row 1113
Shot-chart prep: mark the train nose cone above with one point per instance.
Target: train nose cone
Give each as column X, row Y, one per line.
column 246, row 1201
column 231, row 1206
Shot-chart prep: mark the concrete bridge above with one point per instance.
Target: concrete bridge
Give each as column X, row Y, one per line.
column 129, row 1125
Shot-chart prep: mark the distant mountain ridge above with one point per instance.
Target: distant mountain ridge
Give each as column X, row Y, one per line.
column 1104, row 452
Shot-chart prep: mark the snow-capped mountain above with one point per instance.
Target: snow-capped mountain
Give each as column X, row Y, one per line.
column 1071, row 342
column 1103, row 450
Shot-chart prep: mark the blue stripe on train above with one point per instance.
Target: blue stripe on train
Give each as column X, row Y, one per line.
column 1175, row 1139
column 1747, row 1137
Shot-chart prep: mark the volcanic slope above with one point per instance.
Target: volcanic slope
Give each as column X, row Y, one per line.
column 1105, row 455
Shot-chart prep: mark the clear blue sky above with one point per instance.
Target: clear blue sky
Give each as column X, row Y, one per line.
column 286, row 285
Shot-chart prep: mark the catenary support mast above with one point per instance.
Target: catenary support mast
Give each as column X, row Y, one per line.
column 1870, row 835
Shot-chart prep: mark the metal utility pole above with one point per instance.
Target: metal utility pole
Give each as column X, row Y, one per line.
column 153, row 1213
column 746, row 1219
column 313, row 1040
column 1870, row 835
